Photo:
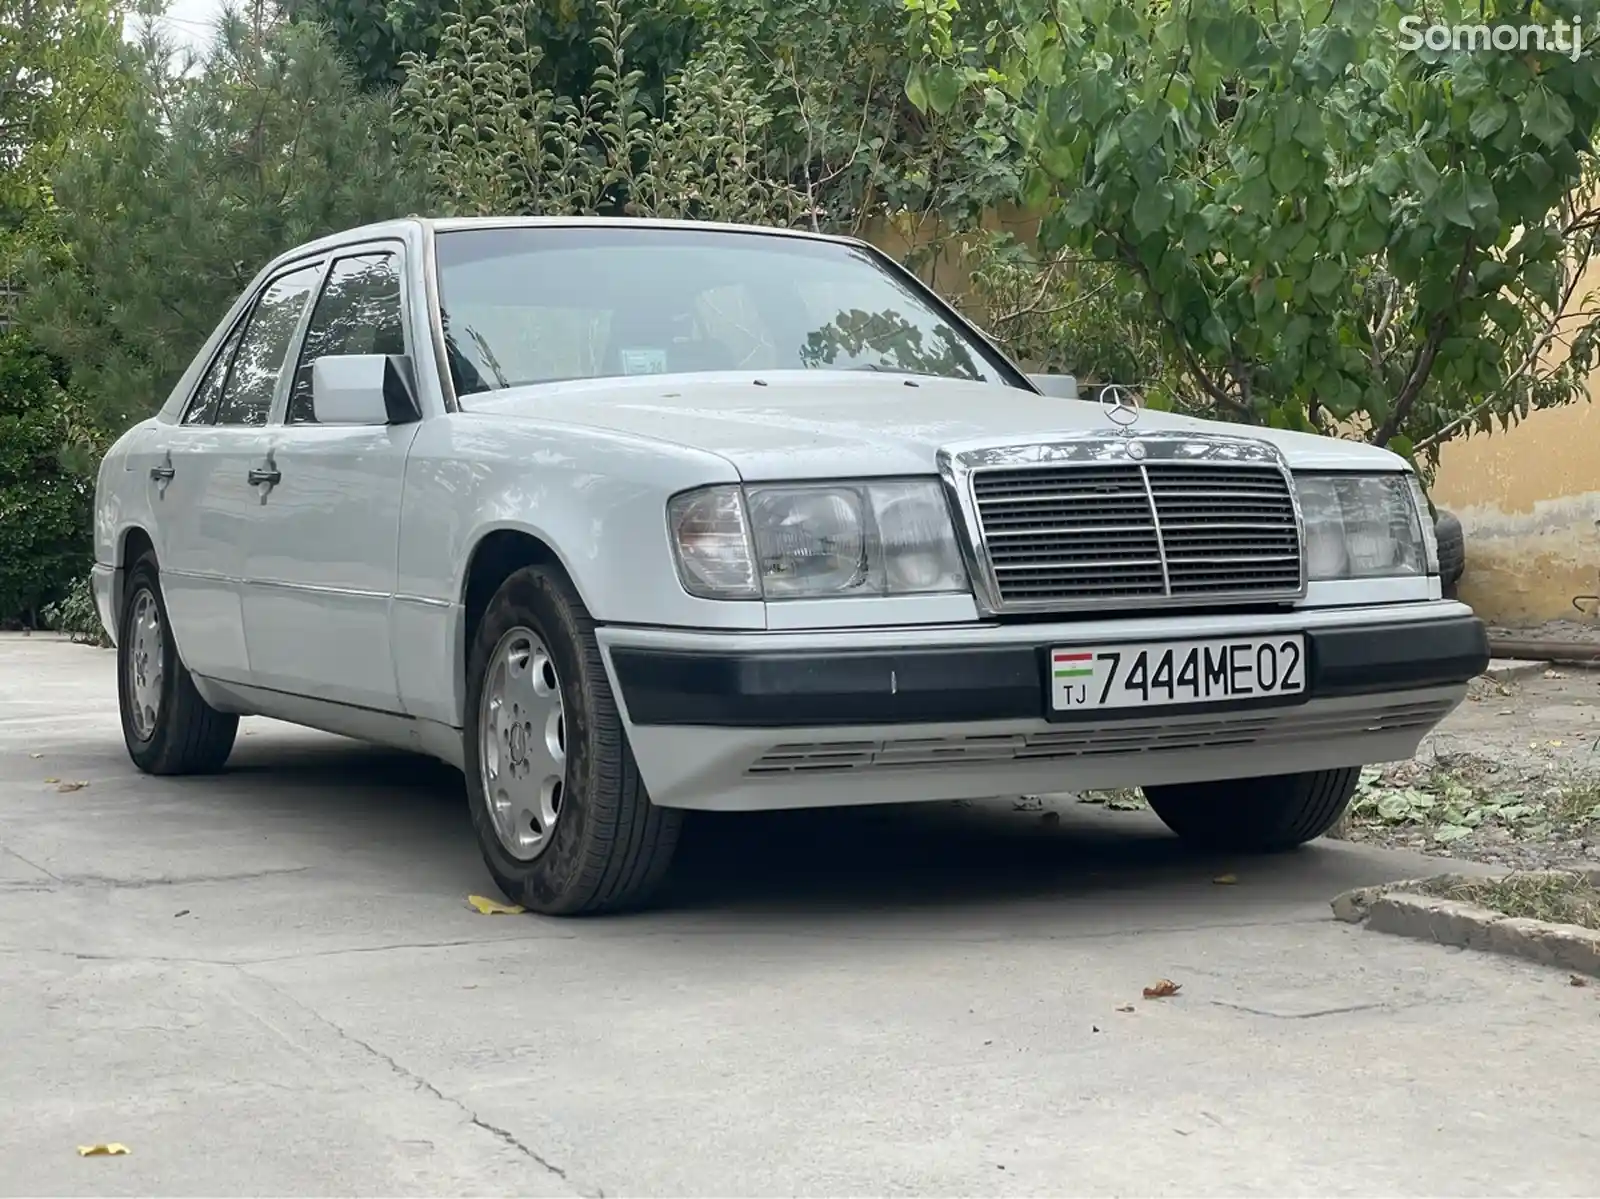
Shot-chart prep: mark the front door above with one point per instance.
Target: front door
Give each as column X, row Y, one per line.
column 322, row 552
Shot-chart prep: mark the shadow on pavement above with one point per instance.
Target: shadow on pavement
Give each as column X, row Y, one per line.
column 900, row 856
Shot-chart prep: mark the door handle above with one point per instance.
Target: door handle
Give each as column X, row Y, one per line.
column 162, row 474
column 270, row 475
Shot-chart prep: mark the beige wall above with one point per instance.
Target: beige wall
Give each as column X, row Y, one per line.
column 1529, row 501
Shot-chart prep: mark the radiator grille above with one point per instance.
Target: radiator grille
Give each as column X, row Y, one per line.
column 1066, row 535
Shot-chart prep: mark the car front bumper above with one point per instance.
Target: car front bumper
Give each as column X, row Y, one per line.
column 752, row 721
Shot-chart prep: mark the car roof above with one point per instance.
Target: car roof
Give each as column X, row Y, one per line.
column 399, row 228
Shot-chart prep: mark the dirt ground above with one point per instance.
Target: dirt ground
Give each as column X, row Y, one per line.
column 1511, row 778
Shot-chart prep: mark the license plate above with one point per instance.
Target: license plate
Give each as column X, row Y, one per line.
column 1158, row 674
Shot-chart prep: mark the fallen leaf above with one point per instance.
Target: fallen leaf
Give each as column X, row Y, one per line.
column 1226, row 880
column 78, row 786
column 490, row 907
column 1127, row 1007
column 111, row 1149
column 1163, row 989
column 52, row 780
column 1577, row 980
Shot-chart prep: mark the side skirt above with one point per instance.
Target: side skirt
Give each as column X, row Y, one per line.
column 393, row 729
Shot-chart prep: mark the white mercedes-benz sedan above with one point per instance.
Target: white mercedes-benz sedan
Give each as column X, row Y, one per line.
column 624, row 518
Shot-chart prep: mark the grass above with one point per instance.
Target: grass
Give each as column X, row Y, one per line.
column 1578, row 803
column 1558, row 897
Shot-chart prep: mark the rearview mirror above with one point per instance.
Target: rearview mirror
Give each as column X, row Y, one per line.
column 1061, row 387
column 363, row 389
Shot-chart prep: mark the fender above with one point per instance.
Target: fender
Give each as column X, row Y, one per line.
column 596, row 498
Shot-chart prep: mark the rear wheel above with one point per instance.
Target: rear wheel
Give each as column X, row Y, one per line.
column 167, row 726
column 561, row 814
column 1259, row 815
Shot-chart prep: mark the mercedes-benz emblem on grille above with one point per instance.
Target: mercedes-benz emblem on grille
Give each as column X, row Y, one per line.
column 1119, row 405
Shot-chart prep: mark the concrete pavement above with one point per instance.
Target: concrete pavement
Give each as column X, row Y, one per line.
column 269, row 982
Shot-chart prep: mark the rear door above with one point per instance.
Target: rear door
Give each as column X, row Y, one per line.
column 322, row 548
column 201, row 479
column 202, row 600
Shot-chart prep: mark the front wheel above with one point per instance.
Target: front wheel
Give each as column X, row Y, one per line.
column 1260, row 815
column 561, row 814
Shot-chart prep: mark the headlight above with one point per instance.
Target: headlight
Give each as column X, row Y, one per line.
column 1363, row 527
column 815, row 541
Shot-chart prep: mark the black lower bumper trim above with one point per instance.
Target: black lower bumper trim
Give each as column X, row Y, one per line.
column 924, row 686
column 1397, row 657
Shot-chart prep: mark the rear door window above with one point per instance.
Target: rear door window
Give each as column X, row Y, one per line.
column 253, row 380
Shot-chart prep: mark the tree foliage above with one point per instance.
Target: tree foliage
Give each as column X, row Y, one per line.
column 497, row 140
column 44, row 504
column 379, row 37
column 1332, row 232
column 62, row 73
column 163, row 223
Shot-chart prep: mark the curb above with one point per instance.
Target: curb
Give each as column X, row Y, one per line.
column 1508, row 670
column 1468, row 926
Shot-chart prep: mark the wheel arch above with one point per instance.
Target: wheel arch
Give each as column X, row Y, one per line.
column 498, row 551
column 132, row 543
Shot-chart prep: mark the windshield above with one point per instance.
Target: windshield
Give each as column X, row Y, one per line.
column 536, row 305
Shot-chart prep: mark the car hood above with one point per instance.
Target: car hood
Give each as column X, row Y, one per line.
column 837, row 424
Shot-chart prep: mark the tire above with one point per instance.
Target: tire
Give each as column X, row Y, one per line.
column 595, row 842
column 1260, row 815
column 168, row 728
column 1452, row 552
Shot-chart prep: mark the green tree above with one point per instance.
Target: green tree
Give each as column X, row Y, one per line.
column 1333, row 231
column 378, row 37
column 44, row 503
column 497, row 139
column 163, row 223
column 62, row 73
column 1065, row 314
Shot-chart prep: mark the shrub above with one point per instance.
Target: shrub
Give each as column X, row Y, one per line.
column 45, row 502
column 76, row 615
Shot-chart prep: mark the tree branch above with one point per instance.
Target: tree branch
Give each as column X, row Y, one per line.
column 1214, row 390
column 1422, row 360
column 1540, row 344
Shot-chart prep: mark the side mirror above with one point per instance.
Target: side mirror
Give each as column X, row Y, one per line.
column 363, row 389
column 1061, row 387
